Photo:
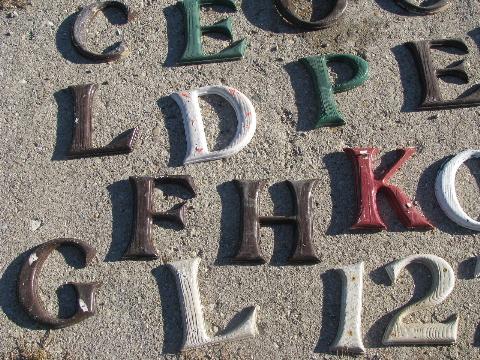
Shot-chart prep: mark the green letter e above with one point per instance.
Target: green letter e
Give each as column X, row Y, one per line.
column 193, row 53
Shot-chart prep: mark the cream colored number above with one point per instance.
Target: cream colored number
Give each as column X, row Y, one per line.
column 443, row 281
column 349, row 335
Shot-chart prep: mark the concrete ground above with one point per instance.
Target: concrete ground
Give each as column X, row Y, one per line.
column 44, row 196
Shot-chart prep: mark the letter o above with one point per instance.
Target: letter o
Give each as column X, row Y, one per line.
column 446, row 193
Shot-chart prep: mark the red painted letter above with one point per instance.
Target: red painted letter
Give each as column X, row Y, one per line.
column 368, row 185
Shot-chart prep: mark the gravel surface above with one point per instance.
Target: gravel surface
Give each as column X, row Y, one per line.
column 44, row 196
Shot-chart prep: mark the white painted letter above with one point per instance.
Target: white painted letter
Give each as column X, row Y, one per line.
column 194, row 332
column 443, row 281
column 197, row 148
column 349, row 335
column 447, row 195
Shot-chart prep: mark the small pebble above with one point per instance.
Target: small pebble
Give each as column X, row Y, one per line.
column 12, row 15
column 288, row 114
column 49, row 23
column 297, row 151
column 23, row 81
column 256, row 98
column 38, row 147
column 8, row 33
column 35, row 224
column 156, row 131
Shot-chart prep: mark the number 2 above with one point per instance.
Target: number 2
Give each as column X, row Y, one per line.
column 443, row 282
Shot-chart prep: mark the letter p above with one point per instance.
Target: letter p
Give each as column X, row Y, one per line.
column 328, row 114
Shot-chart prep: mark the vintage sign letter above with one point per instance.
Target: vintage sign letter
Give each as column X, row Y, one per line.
column 82, row 128
column 197, row 148
column 369, row 184
column 28, row 285
column 249, row 251
column 193, row 51
column 415, row 7
column 349, row 335
column 447, row 194
column 141, row 245
column 285, row 9
column 432, row 98
column 80, row 30
column 399, row 332
column 328, row 114
column 194, row 332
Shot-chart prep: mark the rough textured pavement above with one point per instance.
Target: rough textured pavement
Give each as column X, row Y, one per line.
column 44, row 196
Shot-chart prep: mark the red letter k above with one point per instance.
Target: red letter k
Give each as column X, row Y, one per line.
column 368, row 185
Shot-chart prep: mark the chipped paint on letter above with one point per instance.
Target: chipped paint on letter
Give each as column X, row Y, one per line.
column 194, row 130
column 349, row 335
column 83, row 306
column 32, row 258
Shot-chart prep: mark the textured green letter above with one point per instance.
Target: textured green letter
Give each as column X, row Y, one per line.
column 328, row 114
column 193, row 53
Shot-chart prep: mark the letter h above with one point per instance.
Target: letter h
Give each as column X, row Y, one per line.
column 249, row 251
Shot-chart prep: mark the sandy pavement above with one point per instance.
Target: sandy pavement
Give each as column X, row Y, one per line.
column 44, row 196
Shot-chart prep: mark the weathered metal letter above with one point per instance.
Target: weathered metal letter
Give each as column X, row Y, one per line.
column 349, row 335
column 443, row 282
column 194, row 332
column 28, row 285
column 447, row 194
column 413, row 7
column 328, row 114
column 193, row 53
column 251, row 221
column 82, row 128
column 284, row 7
column 80, row 29
column 197, row 148
column 432, row 98
column 368, row 185
column 141, row 245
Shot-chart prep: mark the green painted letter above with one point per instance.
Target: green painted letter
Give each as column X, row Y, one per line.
column 193, row 53
column 328, row 114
